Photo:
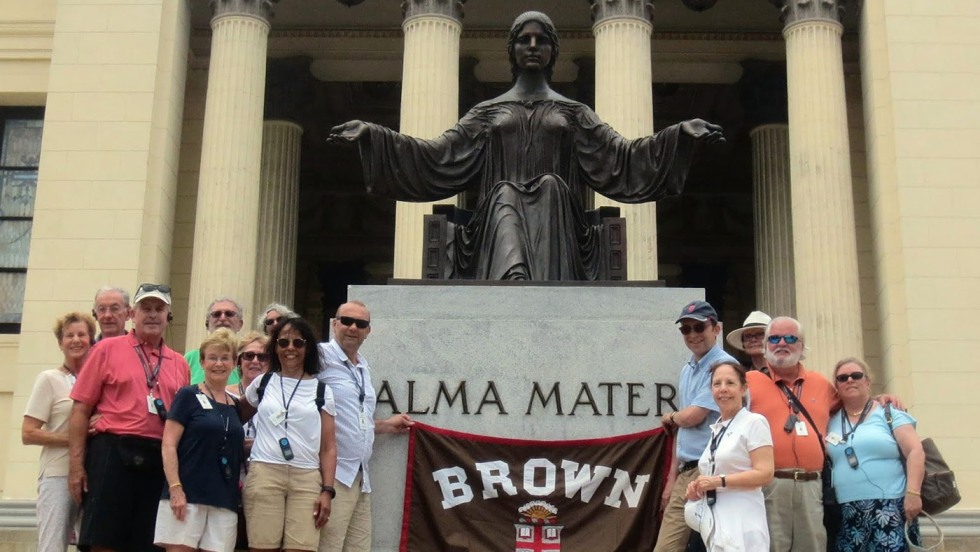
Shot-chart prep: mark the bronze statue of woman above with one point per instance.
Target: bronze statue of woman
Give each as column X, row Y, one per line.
column 531, row 151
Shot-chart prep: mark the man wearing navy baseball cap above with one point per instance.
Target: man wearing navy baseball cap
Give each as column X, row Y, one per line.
column 697, row 411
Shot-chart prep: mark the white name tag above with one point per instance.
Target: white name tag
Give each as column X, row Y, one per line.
column 277, row 417
column 150, row 407
column 833, row 438
column 205, row 403
column 362, row 420
column 801, row 429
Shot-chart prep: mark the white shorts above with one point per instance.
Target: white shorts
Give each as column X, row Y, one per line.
column 204, row 527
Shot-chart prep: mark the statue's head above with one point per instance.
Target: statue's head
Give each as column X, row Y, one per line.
column 549, row 30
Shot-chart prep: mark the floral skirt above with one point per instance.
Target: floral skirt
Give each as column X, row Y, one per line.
column 875, row 526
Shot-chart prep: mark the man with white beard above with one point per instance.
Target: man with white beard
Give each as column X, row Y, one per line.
column 793, row 499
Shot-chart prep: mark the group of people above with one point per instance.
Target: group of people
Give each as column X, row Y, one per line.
column 751, row 443
column 143, row 448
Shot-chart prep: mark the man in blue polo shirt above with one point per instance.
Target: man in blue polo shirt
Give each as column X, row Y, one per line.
column 697, row 411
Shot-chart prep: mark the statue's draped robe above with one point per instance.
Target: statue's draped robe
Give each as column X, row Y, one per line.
column 531, row 161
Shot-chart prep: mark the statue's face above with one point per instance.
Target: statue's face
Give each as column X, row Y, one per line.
column 532, row 48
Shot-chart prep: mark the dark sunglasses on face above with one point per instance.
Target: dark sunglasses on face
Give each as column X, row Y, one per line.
column 348, row 320
column 696, row 328
column 163, row 288
column 856, row 376
column 789, row 339
column 298, row 342
column 226, row 313
column 270, row 321
column 249, row 356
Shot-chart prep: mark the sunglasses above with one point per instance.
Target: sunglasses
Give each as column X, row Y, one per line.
column 249, row 356
column 856, row 376
column 226, row 313
column 789, row 339
column 298, row 342
column 270, row 321
column 350, row 320
column 696, row 328
column 162, row 288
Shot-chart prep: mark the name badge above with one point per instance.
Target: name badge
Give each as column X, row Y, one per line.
column 205, row 403
column 362, row 420
column 151, row 406
column 833, row 438
column 277, row 417
column 801, row 429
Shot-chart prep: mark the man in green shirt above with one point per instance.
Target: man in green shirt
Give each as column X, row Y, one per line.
column 224, row 312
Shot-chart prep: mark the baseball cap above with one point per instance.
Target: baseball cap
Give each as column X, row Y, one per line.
column 160, row 291
column 698, row 310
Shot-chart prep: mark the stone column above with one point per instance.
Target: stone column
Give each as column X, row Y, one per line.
column 763, row 89
column 624, row 100
column 226, row 223
column 275, row 273
column 825, row 245
column 430, row 99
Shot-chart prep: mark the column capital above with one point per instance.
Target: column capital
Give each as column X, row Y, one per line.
column 795, row 11
column 612, row 9
column 762, row 89
column 452, row 9
column 255, row 8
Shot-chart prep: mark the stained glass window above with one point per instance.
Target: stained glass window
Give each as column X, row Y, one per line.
column 20, row 154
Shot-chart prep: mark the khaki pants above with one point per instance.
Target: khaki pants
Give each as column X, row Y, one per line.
column 674, row 532
column 349, row 528
column 794, row 512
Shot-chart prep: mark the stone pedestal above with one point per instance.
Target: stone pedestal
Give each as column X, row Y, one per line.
column 430, row 105
column 470, row 357
column 275, row 280
column 624, row 100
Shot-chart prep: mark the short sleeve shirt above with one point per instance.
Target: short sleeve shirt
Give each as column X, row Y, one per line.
column 114, row 381
column 209, row 436
column 790, row 449
column 50, row 402
column 695, row 390
column 880, row 473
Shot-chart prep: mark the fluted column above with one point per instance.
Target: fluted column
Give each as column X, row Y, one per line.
column 226, row 222
column 275, row 274
column 774, row 276
column 763, row 92
column 429, row 106
column 825, row 245
column 624, row 100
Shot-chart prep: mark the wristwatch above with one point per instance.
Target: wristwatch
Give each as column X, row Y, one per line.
column 723, row 483
column 329, row 489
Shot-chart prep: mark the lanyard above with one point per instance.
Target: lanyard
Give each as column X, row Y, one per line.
column 285, row 403
column 790, row 397
column 716, row 440
column 151, row 376
column 844, row 418
column 358, row 384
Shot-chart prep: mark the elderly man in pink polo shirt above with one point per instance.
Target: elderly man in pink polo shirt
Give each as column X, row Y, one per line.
column 117, row 472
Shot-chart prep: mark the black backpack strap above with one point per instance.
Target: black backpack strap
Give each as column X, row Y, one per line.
column 802, row 410
column 321, row 391
column 262, row 383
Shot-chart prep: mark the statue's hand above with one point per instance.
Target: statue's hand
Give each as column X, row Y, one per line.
column 703, row 131
column 348, row 133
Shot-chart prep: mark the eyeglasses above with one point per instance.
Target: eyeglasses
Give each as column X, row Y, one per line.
column 249, row 356
column 757, row 336
column 696, row 328
column 348, row 320
column 114, row 309
column 226, row 313
column 789, row 339
column 163, row 288
column 298, row 342
column 270, row 321
column 856, row 376
column 216, row 359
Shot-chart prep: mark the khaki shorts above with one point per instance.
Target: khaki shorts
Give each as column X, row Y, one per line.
column 279, row 501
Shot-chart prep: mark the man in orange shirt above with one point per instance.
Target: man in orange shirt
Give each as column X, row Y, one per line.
column 117, row 473
column 794, row 506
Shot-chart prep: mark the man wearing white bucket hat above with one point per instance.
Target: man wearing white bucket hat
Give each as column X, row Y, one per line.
column 750, row 339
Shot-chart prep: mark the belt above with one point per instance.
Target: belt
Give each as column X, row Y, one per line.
column 686, row 466
column 796, row 475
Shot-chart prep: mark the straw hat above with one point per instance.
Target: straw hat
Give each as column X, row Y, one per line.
column 756, row 319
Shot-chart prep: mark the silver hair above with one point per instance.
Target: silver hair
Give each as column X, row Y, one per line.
column 283, row 311
column 224, row 299
column 799, row 332
column 111, row 289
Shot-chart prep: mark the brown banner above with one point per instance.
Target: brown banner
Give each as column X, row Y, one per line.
column 475, row 493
